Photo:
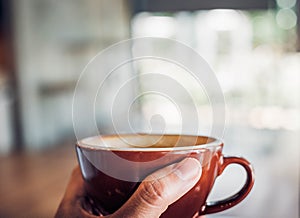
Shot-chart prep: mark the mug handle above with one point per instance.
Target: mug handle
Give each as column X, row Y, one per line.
column 218, row 206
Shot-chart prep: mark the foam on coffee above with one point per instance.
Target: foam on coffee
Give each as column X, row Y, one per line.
column 143, row 141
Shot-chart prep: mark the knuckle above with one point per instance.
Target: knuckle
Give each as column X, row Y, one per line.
column 153, row 192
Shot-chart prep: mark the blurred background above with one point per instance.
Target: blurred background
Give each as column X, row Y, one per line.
column 252, row 46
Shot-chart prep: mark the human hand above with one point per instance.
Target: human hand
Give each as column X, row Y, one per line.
column 151, row 199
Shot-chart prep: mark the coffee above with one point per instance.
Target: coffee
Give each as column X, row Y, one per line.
column 144, row 141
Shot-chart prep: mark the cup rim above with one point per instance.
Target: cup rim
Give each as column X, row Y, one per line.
column 89, row 146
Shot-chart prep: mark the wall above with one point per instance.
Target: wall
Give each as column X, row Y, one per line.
column 54, row 41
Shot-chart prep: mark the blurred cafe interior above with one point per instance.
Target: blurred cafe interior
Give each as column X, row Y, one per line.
column 253, row 46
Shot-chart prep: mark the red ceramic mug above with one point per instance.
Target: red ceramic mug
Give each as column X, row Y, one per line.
column 113, row 166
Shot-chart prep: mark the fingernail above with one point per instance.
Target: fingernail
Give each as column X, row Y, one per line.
column 188, row 169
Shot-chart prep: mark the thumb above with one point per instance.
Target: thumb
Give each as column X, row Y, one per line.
column 161, row 189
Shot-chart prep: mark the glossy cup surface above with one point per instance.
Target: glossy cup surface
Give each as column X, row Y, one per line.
column 113, row 167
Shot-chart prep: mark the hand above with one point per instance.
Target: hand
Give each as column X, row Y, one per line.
column 150, row 200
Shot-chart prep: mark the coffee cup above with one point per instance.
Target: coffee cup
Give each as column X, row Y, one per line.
column 113, row 166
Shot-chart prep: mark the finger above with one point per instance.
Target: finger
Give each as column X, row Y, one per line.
column 71, row 204
column 161, row 189
column 75, row 187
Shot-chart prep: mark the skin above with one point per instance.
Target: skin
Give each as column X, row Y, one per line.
column 150, row 200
